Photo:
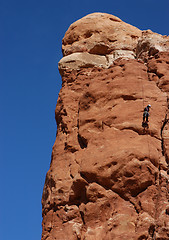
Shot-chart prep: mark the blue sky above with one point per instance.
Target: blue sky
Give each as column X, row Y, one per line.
column 30, row 48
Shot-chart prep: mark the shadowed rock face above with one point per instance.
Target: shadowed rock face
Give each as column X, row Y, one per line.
column 108, row 178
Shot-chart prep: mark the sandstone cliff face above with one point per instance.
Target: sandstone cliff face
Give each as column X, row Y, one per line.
column 108, row 178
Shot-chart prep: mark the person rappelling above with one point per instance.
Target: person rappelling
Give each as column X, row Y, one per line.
column 146, row 115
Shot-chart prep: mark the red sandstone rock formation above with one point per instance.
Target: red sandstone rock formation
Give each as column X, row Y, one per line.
column 108, row 178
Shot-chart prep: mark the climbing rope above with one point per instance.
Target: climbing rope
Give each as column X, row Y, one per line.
column 158, row 181
column 142, row 89
column 149, row 152
column 143, row 98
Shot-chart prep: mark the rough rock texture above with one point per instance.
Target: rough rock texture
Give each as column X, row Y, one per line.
column 108, row 178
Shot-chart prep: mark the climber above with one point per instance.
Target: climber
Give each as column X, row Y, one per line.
column 146, row 113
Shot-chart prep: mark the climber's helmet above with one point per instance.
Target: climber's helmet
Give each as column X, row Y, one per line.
column 149, row 105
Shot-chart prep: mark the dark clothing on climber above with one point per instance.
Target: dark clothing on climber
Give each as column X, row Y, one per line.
column 145, row 116
column 146, row 113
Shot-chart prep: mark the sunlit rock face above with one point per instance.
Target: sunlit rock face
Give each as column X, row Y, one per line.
column 108, row 177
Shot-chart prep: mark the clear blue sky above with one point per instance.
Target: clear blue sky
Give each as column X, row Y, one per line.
column 30, row 48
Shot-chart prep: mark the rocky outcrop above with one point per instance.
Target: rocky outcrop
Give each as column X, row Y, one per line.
column 100, row 34
column 108, row 177
column 110, row 38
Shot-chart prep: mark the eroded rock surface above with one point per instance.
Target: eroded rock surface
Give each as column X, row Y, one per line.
column 108, row 178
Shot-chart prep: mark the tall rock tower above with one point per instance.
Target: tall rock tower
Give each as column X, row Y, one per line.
column 108, row 177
